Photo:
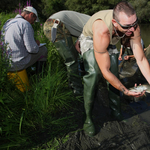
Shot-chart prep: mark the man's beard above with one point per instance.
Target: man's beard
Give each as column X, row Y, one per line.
column 132, row 34
column 120, row 34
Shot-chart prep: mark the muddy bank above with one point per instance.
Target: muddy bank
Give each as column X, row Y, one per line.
column 132, row 133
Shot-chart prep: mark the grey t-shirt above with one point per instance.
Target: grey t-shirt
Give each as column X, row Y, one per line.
column 74, row 21
column 19, row 37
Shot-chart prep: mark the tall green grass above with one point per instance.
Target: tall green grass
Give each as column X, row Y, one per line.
column 4, row 17
column 43, row 113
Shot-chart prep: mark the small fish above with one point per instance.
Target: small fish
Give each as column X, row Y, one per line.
column 141, row 88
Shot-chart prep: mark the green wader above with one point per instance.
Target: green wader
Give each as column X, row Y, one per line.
column 65, row 46
column 91, row 80
column 67, row 50
column 114, row 94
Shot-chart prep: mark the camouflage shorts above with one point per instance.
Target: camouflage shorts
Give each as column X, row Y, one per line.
column 86, row 43
column 62, row 31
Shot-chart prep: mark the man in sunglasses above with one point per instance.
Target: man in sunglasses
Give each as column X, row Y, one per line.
column 102, row 29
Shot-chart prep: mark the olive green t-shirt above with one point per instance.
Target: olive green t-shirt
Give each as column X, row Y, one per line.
column 106, row 16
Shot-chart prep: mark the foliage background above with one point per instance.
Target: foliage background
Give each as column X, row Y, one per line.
column 46, row 8
column 47, row 111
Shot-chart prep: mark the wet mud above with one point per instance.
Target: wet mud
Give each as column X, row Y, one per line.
column 132, row 133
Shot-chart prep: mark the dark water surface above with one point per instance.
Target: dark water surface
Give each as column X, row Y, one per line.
column 145, row 34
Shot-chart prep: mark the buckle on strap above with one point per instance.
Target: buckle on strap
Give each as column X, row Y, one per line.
column 54, row 30
column 56, row 23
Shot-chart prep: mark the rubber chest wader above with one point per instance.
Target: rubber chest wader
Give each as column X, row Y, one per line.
column 70, row 55
column 65, row 46
column 114, row 94
column 91, row 80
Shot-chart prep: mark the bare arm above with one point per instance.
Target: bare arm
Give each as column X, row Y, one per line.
column 121, row 51
column 139, row 54
column 101, row 40
column 77, row 46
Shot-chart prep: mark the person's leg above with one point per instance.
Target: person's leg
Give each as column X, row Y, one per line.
column 40, row 56
column 114, row 94
column 40, row 66
column 91, row 80
column 67, row 50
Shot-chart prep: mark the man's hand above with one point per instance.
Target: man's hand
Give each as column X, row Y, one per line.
column 38, row 42
column 134, row 94
column 136, row 34
column 126, row 57
column 119, row 58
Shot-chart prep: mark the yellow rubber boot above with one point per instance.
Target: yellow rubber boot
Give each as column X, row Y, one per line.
column 20, row 78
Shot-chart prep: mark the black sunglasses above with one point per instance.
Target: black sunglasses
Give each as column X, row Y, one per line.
column 129, row 26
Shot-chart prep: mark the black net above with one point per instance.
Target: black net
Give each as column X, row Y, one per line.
column 112, row 136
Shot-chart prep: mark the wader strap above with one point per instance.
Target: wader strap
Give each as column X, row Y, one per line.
column 54, row 30
column 65, row 36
